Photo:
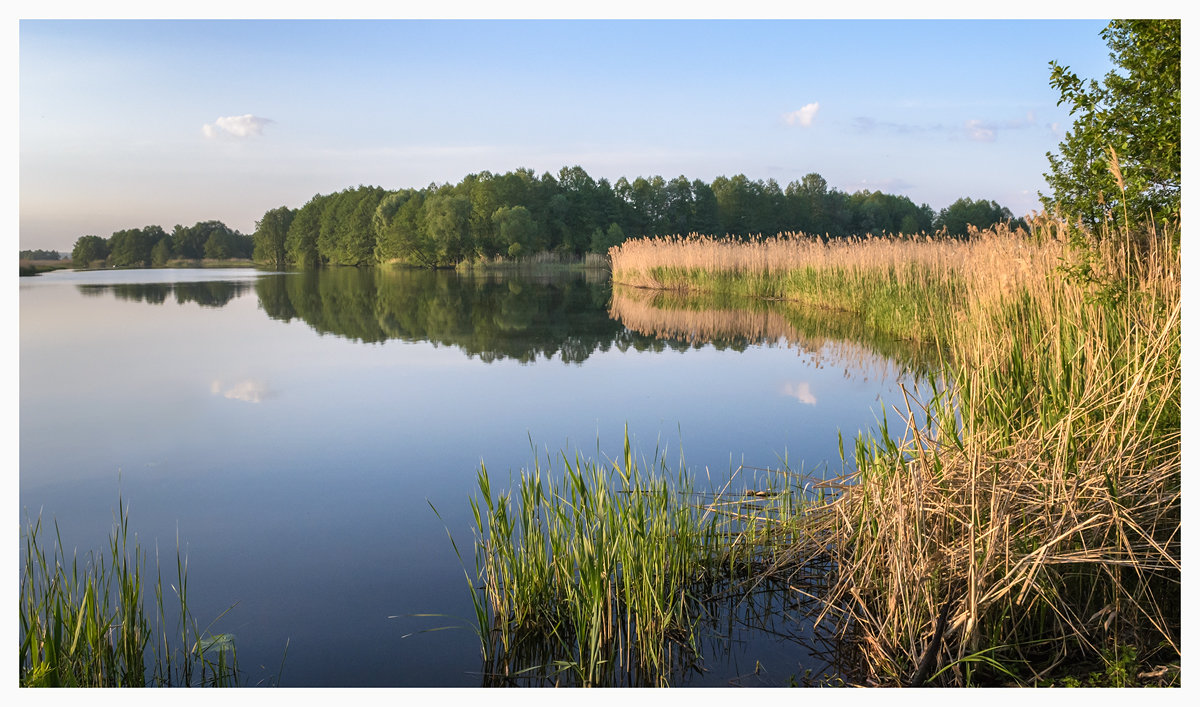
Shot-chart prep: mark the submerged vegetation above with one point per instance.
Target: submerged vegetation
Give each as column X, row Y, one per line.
column 88, row 622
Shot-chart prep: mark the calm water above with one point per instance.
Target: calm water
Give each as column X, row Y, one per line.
column 293, row 431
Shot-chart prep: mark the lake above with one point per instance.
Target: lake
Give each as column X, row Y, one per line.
column 294, row 432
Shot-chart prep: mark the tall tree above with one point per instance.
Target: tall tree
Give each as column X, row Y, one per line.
column 517, row 231
column 447, row 217
column 303, row 233
column 87, row 250
column 964, row 213
column 1132, row 120
column 270, row 237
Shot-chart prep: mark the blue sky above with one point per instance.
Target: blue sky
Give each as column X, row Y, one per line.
column 129, row 123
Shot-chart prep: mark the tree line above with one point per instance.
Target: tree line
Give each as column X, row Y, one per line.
column 152, row 246
column 40, row 254
column 519, row 213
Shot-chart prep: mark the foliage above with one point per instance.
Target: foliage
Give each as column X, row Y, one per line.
column 132, row 247
column 89, row 623
column 518, row 214
column 1132, row 121
column 40, row 255
column 89, row 249
column 270, row 237
column 962, row 216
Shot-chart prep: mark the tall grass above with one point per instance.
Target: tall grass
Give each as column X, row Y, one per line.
column 90, row 623
column 1027, row 520
column 598, row 574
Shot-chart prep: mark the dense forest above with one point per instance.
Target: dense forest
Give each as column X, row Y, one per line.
column 519, row 213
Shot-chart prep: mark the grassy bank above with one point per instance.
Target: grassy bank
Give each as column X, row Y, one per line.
column 88, row 622
column 37, row 267
column 1028, row 522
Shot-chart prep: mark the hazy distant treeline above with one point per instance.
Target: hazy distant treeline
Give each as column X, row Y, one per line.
column 152, row 246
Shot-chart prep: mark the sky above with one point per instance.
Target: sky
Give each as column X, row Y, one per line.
column 128, row 123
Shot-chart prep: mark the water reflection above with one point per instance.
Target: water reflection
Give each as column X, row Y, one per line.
column 214, row 293
column 250, row 391
column 498, row 316
column 801, row 390
column 724, row 321
column 490, row 316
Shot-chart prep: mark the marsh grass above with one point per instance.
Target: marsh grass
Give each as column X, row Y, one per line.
column 1027, row 518
column 90, row 622
column 598, row 574
column 36, row 267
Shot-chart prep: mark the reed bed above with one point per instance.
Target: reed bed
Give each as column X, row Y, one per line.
column 1024, row 528
column 598, row 574
column 89, row 623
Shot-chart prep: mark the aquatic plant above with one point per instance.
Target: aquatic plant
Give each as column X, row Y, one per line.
column 89, row 623
column 598, row 574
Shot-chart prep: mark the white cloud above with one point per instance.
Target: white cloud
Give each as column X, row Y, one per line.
column 236, row 125
column 978, row 131
column 804, row 116
column 800, row 391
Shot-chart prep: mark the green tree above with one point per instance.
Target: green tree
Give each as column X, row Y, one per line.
column 132, row 247
column 87, row 250
column 517, row 231
column 965, row 212
column 270, row 237
column 39, row 254
column 603, row 240
column 220, row 245
column 400, row 230
column 188, row 242
column 1133, row 118
column 447, row 219
column 161, row 252
column 302, row 234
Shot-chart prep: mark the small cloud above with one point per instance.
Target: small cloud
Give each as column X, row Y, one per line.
column 979, row 131
column 804, row 116
column 250, row 391
column 801, row 392
column 236, row 125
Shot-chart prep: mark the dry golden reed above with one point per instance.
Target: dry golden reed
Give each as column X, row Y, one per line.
column 1027, row 522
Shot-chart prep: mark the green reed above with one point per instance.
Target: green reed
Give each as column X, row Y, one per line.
column 90, row 623
column 598, row 574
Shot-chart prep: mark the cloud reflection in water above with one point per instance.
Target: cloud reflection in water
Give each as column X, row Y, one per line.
column 249, row 390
